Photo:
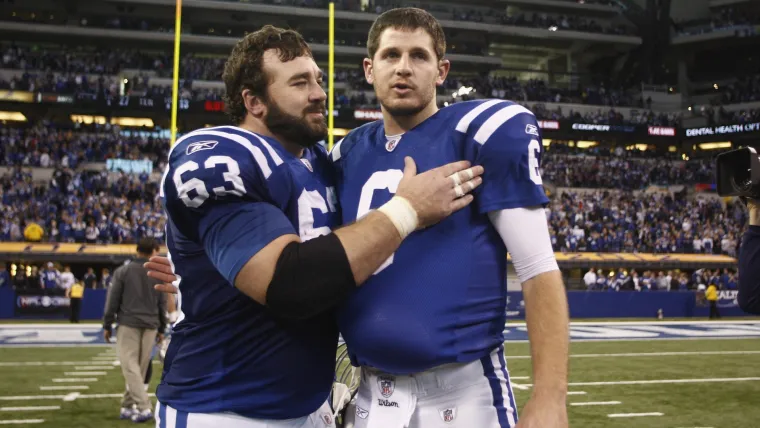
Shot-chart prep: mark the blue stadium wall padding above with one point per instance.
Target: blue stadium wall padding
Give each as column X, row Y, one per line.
column 598, row 304
column 94, row 304
column 7, row 300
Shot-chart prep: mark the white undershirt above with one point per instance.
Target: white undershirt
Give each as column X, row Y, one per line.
column 526, row 236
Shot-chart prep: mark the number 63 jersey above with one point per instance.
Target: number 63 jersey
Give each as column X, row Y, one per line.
column 228, row 193
column 441, row 297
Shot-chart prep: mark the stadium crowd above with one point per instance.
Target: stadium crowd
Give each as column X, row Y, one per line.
column 723, row 18
column 74, row 65
column 460, row 12
column 618, row 172
column 101, row 207
column 615, row 221
column 745, row 89
column 622, row 280
column 77, row 205
column 48, row 145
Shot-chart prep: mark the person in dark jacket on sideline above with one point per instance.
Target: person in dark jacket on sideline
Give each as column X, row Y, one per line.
column 140, row 312
column 749, row 262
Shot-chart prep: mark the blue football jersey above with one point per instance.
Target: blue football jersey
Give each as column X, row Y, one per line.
column 441, row 297
column 228, row 193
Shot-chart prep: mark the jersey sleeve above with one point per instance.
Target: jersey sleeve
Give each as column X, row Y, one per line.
column 509, row 148
column 222, row 191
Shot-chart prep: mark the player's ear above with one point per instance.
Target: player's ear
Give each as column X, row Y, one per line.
column 444, row 66
column 368, row 71
column 253, row 103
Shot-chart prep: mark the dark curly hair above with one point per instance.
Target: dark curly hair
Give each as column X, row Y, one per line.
column 407, row 18
column 244, row 68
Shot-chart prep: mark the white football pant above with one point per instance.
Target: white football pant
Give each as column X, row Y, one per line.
column 472, row 395
column 167, row 417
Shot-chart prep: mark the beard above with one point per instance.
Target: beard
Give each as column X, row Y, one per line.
column 296, row 129
column 404, row 108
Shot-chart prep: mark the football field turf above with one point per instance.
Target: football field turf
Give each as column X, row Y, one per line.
column 651, row 383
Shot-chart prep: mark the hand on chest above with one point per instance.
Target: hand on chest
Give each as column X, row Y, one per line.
column 372, row 178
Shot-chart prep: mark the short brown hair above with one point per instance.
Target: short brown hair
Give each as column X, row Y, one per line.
column 244, row 68
column 146, row 246
column 407, row 18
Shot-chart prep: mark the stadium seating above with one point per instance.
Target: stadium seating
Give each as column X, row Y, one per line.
column 78, row 205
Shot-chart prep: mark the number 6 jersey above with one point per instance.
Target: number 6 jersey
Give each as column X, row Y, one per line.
column 228, row 193
column 441, row 298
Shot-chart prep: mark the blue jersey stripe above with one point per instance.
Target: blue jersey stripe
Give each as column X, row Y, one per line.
column 504, row 370
column 181, row 419
column 495, row 384
column 161, row 415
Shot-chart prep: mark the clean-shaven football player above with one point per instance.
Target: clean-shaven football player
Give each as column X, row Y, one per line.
column 427, row 327
column 250, row 210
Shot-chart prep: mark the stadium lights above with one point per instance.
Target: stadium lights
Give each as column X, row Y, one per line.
column 553, row 28
column 464, row 90
column 14, row 116
column 672, row 149
column 546, row 142
column 713, row 146
column 132, row 121
column 715, row 86
column 340, row 132
column 586, row 144
column 87, row 119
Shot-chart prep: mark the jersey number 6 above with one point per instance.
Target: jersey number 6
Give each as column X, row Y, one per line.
column 380, row 180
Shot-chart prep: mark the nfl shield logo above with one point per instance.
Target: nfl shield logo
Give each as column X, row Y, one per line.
column 448, row 415
column 307, row 164
column 387, row 384
column 327, row 419
column 391, row 144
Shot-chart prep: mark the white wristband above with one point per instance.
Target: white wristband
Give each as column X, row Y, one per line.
column 401, row 213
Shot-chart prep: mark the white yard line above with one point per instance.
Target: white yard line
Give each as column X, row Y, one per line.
column 72, row 396
column 576, row 392
column 28, row 408
column 31, row 397
column 519, row 377
column 664, row 381
column 596, row 403
column 519, row 386
column 47, row 363
column 75, row 379
column 21, row 421
column 94, row 367
column 651, row 382
column 85, row 373
column 56, row 345
column 634, row 415
column 61, row 397
column 63, row 387
column 646, row 354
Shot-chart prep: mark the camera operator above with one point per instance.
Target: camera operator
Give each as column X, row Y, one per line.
column 749, row 262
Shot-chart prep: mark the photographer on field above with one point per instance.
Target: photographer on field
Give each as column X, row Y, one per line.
column 738, row 174
column 749, row 262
